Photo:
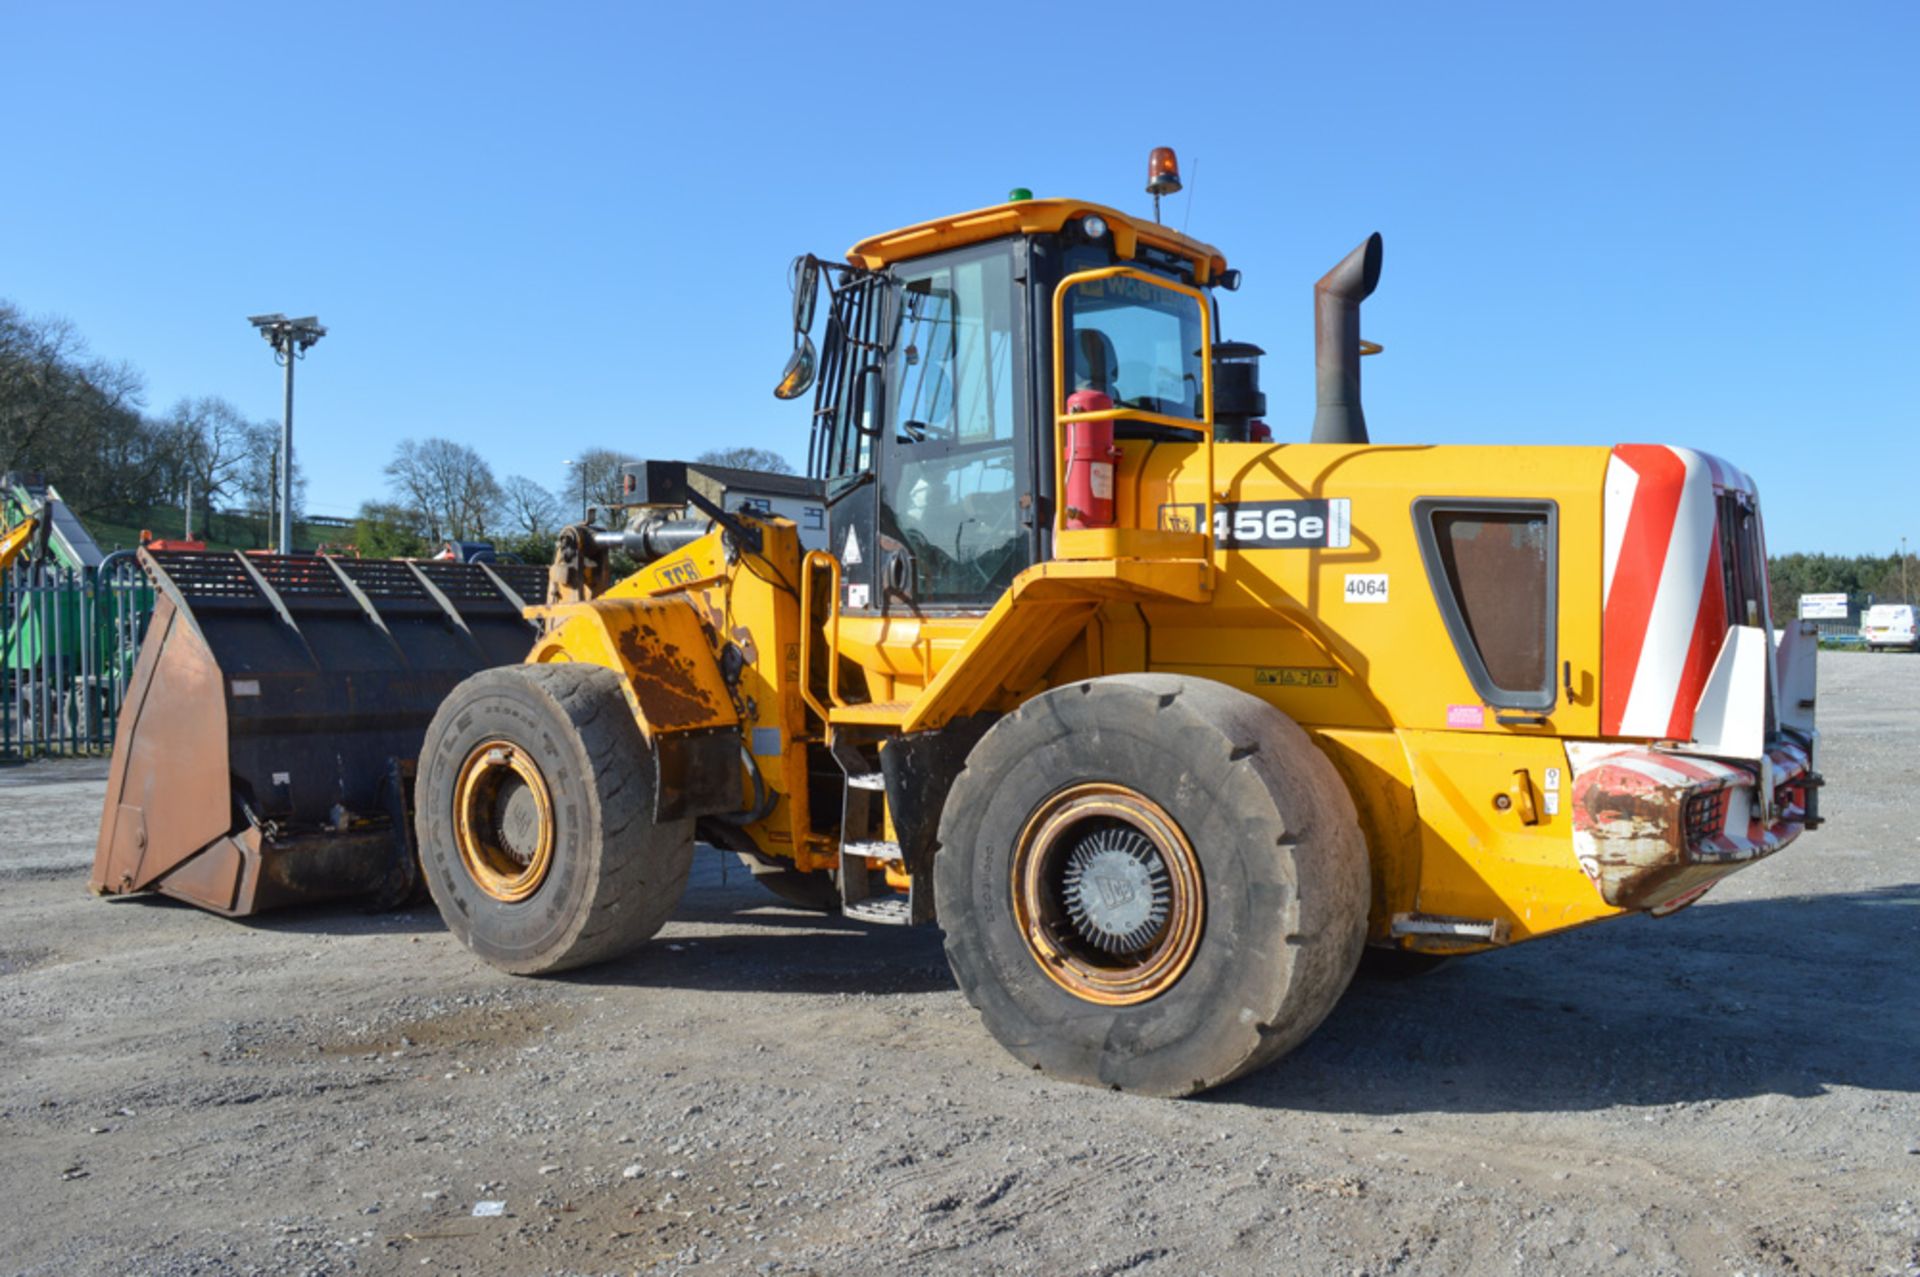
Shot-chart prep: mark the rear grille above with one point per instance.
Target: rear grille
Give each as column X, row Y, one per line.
column 1706, row 816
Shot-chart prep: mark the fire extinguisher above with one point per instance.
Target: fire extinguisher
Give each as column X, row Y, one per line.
column 1090, row 459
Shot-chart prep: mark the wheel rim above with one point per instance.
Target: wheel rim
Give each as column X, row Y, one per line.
column 1107, row 894
column 503, row 821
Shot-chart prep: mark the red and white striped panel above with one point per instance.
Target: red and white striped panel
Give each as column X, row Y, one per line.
column 1637, row 832
column 1664, row 613
column 1608, row 775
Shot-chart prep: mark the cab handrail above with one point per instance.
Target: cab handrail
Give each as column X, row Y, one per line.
column 1202, row 429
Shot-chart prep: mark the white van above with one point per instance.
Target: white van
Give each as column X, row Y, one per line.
column 1889, row 625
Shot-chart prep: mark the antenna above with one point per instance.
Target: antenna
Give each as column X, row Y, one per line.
column 1192, row 182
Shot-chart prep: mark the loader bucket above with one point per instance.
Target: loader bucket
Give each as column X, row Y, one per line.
column 265, row 749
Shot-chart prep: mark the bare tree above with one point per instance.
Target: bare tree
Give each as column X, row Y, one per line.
column 74, row 418
column 212, row 450
column 743, row 458
column 527, row 509
column 258, row 484
column 592, row 479
column 450, row 484
column 38, row 358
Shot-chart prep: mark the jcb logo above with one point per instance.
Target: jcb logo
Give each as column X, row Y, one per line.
column 1115, row 890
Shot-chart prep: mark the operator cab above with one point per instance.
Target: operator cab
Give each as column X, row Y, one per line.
column 937, row 392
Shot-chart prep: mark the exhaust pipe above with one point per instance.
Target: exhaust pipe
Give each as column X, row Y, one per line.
column 1336, row 344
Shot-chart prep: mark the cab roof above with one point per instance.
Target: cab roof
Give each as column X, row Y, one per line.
column 1031, row 217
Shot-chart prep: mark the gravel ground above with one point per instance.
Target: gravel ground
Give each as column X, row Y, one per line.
column 1732, row 1090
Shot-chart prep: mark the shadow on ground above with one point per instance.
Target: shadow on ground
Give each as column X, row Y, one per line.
column 1788, row 996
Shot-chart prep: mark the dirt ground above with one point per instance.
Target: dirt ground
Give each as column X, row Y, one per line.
column 1732, row 1090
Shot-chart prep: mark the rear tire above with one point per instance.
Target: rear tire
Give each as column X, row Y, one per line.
column 1206, row 802
column 534, row 812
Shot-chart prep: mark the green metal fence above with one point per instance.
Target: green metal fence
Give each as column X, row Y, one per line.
column 68, row 639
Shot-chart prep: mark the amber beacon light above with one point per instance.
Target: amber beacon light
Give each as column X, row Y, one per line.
column 1163, row 175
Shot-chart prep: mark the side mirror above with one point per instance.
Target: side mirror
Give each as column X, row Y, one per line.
column 806, row 291
column 866, row 400
column 797, row 377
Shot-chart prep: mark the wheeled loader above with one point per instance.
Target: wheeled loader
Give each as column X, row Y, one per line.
column 1163, row 719
column 18, row 539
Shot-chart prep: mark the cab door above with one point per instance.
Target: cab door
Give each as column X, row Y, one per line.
column 954, row 475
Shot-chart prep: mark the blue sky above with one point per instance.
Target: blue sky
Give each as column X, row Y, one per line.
column 540, row 228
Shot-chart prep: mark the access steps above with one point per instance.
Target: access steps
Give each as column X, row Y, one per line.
column 863, row 840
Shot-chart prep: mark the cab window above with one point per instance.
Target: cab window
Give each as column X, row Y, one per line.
column 1136, row 343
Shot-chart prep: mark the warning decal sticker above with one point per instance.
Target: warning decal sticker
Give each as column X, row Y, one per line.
column 1296, row 676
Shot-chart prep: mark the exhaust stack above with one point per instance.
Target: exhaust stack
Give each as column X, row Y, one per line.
column 1336, row 344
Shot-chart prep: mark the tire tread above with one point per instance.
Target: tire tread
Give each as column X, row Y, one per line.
column 632, row 861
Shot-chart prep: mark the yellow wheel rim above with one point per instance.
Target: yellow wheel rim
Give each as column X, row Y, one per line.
column 503, row 821
column 1107, row 894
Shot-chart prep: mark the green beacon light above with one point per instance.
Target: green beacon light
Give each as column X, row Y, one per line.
column 1017, row 194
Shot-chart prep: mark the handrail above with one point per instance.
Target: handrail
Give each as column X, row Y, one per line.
column 813, row 559
column 1202, row 429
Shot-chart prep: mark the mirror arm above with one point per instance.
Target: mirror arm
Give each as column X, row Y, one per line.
column 746, row 534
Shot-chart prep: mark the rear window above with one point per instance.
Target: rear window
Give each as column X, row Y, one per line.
column 1492, row 568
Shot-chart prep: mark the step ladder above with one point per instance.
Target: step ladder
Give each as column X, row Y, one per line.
column 863, row 839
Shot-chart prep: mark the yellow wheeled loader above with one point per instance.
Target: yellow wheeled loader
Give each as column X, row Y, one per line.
column 18, row 539
column 1161, row 719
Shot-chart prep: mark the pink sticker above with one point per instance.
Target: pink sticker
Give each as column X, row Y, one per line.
column 1466, row 716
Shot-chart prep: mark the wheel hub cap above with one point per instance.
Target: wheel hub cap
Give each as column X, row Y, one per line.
column 1117, row 890
column 1107, row 894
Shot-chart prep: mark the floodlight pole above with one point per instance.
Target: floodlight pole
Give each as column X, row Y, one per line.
column 290, row 339
column 286, row 466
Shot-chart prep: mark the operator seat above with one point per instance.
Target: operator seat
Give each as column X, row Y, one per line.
column 1096, row 363
column 1096, row 366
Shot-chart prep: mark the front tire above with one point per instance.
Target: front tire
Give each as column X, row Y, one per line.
column 534, row 813
column 1150, row 882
